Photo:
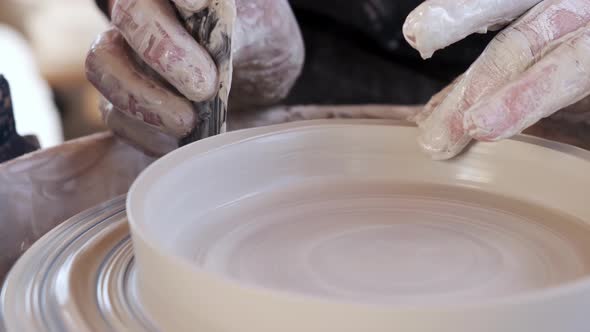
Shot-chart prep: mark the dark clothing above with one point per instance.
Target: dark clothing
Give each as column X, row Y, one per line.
column 104, row 6
column 356, row 54
column 11, row 144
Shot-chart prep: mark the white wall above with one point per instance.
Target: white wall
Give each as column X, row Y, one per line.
column 35, row 112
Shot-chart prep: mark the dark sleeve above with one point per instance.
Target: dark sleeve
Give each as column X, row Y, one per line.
column 356, row 54
column 104, row 6
column 381, row 23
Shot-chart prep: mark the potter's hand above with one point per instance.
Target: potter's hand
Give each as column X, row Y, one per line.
column 535, row 67
column 149, row 69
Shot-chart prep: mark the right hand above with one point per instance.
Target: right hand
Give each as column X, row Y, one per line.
column 149, row 69
column 535, row 67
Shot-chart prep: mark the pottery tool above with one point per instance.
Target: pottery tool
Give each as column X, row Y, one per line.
column 212, row 27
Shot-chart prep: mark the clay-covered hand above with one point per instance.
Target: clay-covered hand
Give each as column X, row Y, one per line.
column 535, row 67
column 150, row 69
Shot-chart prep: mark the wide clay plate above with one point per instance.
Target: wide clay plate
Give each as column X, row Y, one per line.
column 347, row 226
column 325, row 226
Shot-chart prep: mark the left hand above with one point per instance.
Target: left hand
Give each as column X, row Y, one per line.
column 535, row 67
column 150, row 69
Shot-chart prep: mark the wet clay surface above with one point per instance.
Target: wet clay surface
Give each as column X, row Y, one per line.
column 391, row 243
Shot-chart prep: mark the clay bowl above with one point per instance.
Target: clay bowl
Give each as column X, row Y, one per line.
column 346, row 226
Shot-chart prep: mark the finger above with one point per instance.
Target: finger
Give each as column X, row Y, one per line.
column 557, row 81
column 135, row 133
column 436, row 24
column 112, row 70
column 434, row 102
column 152, row 29
column 191, row 5
column 505, row 58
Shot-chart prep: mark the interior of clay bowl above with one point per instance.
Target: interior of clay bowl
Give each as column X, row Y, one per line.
column 351, row 217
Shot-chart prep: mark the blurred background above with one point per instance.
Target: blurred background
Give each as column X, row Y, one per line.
column 43, row 44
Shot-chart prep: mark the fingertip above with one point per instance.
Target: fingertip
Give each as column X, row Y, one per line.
column 442, row 135
column 91, row 63
column 102, row 40
column 435, row 142
column 416, row 32
column 408, row 30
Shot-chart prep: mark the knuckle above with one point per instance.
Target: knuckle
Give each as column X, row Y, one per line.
column 124, row 14
column 272, row 77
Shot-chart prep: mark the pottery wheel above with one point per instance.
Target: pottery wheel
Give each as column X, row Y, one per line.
column 356, row 239
column 79, row 277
